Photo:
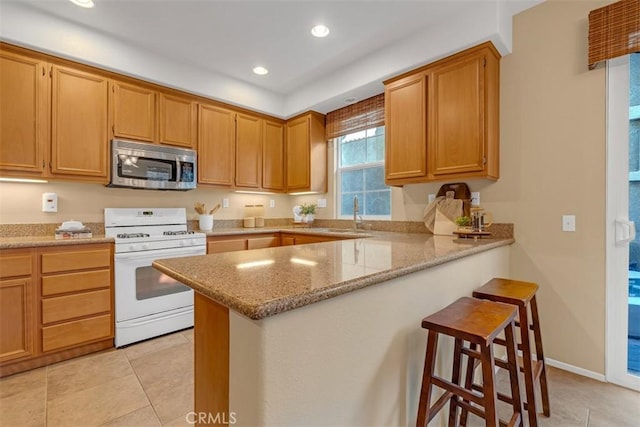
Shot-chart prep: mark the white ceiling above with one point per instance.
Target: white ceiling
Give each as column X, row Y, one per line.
column 228, row 38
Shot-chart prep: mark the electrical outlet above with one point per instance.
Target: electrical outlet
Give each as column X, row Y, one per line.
column 49, row 202
column 225, row 203
column 272, row 203
column 475, row 198
column 322, row 203
column 568, row 223
column 431, row 197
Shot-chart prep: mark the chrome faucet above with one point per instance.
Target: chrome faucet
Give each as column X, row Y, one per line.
column 357, row 219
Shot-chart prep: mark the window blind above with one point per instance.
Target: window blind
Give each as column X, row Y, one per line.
column 356, row 117
column 614, row 30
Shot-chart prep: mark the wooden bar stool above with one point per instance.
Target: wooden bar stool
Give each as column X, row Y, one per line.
column 479, row 323
column 523, row 295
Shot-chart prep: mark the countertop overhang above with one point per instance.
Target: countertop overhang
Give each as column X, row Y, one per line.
column 264, row 282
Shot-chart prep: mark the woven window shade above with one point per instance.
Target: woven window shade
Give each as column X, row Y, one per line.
column 614, row 30
column 359, row 116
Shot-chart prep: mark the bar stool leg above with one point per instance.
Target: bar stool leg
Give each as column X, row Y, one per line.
column 544, row 390
column 512, row 360
column 528, row 371
column 468, row 381
column 425, row 392
column 455, row 379
column 488, row 383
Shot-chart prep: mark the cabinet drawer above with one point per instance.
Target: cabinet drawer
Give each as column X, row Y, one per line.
column 226, row 246
column 263, row 242
column 71, row 306
column 76, row 332
column 73, row 282
column 77, row 260
column 14, row 266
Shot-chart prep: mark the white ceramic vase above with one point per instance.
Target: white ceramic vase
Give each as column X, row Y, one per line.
column 206, row 222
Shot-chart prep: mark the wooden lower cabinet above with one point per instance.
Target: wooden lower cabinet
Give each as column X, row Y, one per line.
column 217, row 244
column 242, row 242
column 55, row 303
column 17, row 305
column 303, row 239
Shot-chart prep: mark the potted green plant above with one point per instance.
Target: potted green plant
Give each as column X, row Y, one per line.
column 308, row 212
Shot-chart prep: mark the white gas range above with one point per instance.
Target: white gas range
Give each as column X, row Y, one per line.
column 149, row 303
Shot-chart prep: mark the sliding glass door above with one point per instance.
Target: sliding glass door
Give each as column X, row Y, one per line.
column 623, row 213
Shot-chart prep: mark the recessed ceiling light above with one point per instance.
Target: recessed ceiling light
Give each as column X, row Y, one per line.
column 320, row 31
column 83, row 3
column 350, row 100
column 260, row 70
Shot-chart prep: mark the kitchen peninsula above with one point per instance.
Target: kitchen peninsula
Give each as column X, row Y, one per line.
column 326, row 333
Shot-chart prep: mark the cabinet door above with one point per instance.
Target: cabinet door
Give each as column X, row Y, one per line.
column 273, row 156
column 248, row 151
column 24, row 113
column 177, row 121
column 16, row 319
column 271, row 241
column 133, row 112
column 457, row 117
column 216, row 145
column 287, row 240
column 406, row 124
column 79, row 135
column 298, row 154
column 226, row 245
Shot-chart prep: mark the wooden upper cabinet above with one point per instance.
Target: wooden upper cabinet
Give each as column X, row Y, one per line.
column 442, row 120
column 177, row 120
column 248, row 151
column 459, row 114
column 306, row 154
column 273, row 156
column 406, row 130
column 79, row 134
column 133, row 111
column 216, row 145
column 24, row 114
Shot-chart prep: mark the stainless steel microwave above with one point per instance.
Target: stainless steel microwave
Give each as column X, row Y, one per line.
column 152, row 166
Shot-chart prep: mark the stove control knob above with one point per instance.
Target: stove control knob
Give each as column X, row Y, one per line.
column 132, row 247
column 145, row 246
column 183, row 243
column 192, row 242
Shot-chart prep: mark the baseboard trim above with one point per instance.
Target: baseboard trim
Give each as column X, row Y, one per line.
column 575, row 370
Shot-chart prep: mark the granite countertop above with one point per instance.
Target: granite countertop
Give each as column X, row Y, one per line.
column 320, row 231
column 38, row 241
column 264, row 282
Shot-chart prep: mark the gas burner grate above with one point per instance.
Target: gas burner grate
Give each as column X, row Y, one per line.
column 131, row 235
column 177, row 233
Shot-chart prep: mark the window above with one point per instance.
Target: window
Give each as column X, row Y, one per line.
column 361, row 173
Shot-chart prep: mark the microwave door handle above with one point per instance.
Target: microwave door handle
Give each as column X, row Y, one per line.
column 179, row 171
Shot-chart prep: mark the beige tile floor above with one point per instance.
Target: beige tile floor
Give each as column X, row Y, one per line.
column 151, row 384
column 145, row 384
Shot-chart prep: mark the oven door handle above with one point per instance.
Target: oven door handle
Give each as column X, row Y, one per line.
column 160, row 255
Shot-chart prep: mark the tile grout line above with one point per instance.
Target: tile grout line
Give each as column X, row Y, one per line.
column 587, row 421
column 126, row 355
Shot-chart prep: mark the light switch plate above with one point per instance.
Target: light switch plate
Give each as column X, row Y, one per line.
column 431, row 197
column 272, row 203
column 568, row 223
column 475, row 198
column 322, row 203
column 225, row 203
